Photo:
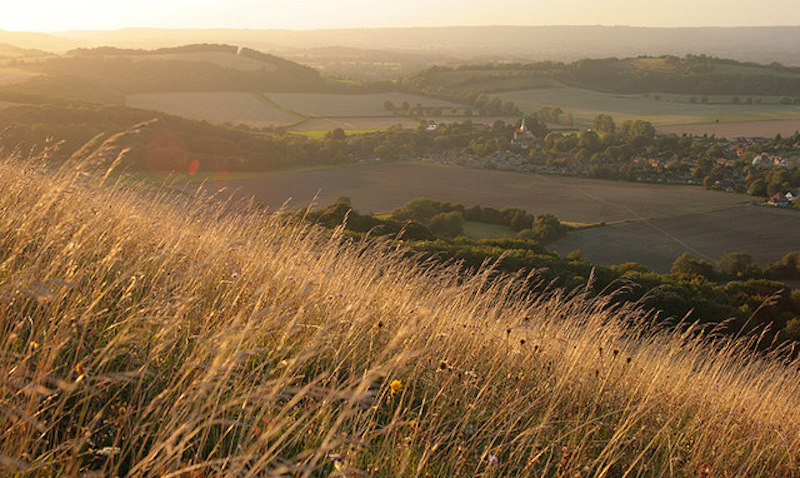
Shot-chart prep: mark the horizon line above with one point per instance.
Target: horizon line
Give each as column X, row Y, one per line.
column 393, row 27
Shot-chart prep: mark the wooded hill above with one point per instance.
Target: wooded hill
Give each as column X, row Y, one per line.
column 693, row 74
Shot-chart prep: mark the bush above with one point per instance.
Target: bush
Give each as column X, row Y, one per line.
column 447, row 224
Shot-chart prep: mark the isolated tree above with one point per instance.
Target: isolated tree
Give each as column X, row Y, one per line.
column 388, row 105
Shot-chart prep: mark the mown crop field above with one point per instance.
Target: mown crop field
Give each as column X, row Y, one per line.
column 660, row 109
column 339, row 105
column 765, row 233
column 216, row 107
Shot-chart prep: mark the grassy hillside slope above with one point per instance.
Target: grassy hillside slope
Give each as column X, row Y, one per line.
column 145, row 334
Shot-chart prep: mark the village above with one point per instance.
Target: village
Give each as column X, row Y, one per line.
column 743, row 165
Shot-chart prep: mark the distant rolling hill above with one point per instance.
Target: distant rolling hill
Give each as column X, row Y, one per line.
column 526, row 43
column 9, row 51
column 40, row 41
column 106, row 74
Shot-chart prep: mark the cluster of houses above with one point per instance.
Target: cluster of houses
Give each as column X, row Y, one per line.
column 786, row 199
column 771, row 161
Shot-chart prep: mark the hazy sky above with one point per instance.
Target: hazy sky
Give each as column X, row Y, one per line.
column 56, row 15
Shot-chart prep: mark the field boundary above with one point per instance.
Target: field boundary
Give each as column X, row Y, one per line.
column 265, row 99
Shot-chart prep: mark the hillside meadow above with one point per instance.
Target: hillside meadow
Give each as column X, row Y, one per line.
column 147, row 333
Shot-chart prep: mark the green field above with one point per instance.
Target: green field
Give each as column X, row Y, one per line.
column 482, row 230
column 659, row 109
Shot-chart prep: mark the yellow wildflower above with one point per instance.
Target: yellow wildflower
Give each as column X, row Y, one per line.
column 396, row 386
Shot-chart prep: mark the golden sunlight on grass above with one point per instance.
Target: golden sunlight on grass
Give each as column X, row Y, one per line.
column 146, row 333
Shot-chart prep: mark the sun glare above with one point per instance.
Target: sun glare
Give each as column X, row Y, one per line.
column 56, row 15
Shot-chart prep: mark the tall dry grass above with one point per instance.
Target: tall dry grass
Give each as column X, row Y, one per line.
column 148, row 334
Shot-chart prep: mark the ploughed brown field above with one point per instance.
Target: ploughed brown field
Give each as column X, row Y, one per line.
column 382, row 187
column 764, row 129
column 763, row 232
column 647, row 223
